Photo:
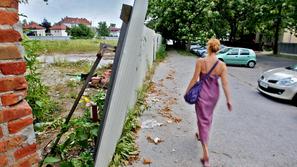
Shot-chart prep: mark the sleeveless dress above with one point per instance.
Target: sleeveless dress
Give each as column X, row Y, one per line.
column 208, row 99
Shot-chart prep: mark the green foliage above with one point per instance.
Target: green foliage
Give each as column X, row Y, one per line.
column 199, row 20
column 77, row 150
column 38, row 98
column 161, row 53
column 81, row 32
column 103, row 30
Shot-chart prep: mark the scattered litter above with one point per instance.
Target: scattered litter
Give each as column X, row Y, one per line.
column 173, row 150
column 148, row 124
column 155, row 140
column 146, row 161
column 169, row 121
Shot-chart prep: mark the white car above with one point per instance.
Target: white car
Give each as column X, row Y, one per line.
column 280, row 83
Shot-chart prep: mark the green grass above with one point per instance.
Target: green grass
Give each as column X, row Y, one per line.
column 74, row 46
column 185, row 53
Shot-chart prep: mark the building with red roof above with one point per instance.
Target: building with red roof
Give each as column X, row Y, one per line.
column 71, row 22
column 58, row 30
column 114, row 32
column 34, row 29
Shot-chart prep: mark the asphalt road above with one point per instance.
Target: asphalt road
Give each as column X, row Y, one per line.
column 260, row 132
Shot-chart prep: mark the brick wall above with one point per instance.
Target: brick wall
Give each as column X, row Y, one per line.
column 17, row 140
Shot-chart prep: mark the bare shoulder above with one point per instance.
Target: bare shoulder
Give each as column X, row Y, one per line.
column 198, row 62
column 222, row 68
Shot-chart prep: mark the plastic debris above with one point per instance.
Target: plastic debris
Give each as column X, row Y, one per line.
column 148, row 124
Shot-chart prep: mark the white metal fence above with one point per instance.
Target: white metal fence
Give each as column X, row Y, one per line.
column 138, row 50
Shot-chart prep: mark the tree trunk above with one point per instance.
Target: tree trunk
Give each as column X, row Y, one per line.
column 277, row 29
column 233, row 31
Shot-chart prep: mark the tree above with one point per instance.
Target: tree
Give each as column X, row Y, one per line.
column 103, row 30
column 277, row 16
column 181, row 20
column 46, row 25
column 81, row 31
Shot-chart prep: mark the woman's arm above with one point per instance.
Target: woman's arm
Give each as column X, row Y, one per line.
column 195, row 76
column 225, row 85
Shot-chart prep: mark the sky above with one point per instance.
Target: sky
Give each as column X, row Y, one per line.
column 93, row 10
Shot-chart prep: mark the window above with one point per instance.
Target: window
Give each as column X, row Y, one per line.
column 224, row 50
column 233, row 52
column 244, row 52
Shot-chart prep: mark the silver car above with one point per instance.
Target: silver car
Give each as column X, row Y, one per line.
column 280, row 83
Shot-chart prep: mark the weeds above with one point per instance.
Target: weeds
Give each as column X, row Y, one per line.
column 126, row 149
column 42, row 105
column 161, row 53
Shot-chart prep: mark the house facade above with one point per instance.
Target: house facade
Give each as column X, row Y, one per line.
column 58, row 30
column 33, row 29
column 72, row 22
column 114, row 32
column 288, row 37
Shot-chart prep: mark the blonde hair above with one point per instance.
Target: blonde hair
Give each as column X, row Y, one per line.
column 213, row 45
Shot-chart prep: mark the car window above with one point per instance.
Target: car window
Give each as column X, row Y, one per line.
column 233, row 52
column 293, row 67
column 244, row 52
column 224, row 50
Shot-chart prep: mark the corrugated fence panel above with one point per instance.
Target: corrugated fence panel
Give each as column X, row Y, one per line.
column 137, row 53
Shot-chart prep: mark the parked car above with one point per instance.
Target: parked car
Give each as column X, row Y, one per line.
column 238, row 56
column 199, row 51
column 280, row 83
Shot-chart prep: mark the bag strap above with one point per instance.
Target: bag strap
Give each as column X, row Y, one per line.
column 212, row 68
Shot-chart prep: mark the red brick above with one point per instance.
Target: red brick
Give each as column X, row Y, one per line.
column 9, row 52
column 20, row 153
column 13, row 68
column 13, row 83
column 13, row 98
column 10, row 36
column 1, row 133
column 3, row 160
column 15, row 126
column 9, row 18
column 28, row 162
column 12, row 113
column 9, row 3
column 11, row 143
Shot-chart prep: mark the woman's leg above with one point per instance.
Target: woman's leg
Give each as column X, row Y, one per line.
column 205, row 152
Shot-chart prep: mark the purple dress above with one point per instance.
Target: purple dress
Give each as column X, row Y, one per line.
column 209, row 96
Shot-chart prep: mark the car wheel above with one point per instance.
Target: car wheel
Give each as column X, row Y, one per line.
column 251, row 64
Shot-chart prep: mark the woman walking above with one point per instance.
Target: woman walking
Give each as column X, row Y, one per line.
column 209, row 93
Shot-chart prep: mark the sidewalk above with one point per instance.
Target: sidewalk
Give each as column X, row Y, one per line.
column 178, row 146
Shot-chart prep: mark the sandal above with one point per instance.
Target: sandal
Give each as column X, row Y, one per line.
column 197, row 136
column 204, row 162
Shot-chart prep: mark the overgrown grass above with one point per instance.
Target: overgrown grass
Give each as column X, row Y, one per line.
column 74, row 46
column 161, row 53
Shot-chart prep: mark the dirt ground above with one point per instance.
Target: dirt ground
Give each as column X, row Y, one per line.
column 63, row 79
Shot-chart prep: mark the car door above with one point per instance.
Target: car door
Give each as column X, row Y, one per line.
column 232, row 56
column 244, row 56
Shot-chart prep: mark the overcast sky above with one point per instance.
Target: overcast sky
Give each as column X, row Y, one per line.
column 93, row 10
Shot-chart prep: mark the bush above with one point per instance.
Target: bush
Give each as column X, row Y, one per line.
column 81, row 32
